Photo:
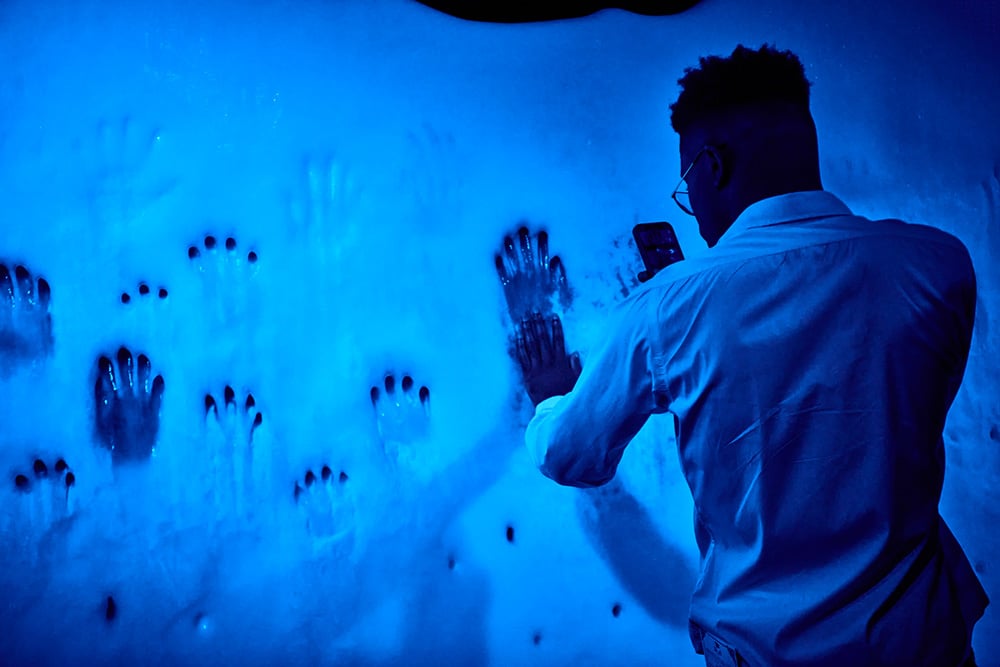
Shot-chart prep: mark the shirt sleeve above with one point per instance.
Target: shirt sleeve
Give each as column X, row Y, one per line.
column 578, row 439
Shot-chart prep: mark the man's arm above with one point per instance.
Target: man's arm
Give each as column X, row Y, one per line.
column 578, row 439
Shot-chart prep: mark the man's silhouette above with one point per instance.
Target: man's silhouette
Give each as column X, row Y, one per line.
column 809, row 360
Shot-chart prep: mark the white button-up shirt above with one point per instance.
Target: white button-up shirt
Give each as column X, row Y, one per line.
column 809, row 360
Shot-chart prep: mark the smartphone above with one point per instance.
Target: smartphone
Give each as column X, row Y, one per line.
column 658, row 247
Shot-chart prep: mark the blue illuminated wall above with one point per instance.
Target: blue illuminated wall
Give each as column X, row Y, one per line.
column 290, row 212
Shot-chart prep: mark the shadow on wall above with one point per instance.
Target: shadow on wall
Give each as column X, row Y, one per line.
column 655, row 572
column 505, row 11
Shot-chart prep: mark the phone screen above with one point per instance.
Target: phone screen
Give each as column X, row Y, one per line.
column 657, row 246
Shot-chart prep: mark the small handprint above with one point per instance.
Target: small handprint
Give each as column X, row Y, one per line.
column 326, row 505
column 128, row 406
column 532, row 280
column 402, row 414
column 433, row 177
column 25, row 321
column 144, row 293
column 206, row 259
column 44, row 500
column 145, row 312
column 123, row 179
column 226, row 270
column 541, row 352
column 238, row 465
column 50, row 490
column 324, row 210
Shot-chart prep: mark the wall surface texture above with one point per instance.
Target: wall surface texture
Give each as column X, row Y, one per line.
column 276, row 206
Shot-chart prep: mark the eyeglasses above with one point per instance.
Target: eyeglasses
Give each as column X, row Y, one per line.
column 686, row 204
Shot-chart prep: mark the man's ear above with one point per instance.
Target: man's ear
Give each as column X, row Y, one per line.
column 719, row 165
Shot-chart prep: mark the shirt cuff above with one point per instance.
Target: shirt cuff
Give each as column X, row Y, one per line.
column 537, row 447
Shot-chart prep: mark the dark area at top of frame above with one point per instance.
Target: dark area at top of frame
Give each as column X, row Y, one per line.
column 525, row 11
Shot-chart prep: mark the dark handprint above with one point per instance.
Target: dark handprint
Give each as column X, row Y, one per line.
column 531, row 279
column 128, row 406
column 25, row 322
column 541, row 351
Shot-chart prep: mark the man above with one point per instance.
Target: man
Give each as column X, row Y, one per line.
column 809, row 360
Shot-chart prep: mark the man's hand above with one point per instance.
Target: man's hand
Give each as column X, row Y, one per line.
column 541, row 351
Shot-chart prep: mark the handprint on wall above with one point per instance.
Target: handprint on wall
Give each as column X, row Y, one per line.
column 226, row 270
column 433, row 177
column 534, row 286
column 42, row 504
column 50, row 489
column 239, row 466
column 142, row 293
column 25, row 321
column 324, row 209
column 532, row 280
column 326, row 505
column 122, row 177
column 128, row 400
column 402, row 414
column 546, row 368
column 145, row 312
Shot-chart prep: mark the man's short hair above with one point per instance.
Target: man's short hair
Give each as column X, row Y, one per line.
column 744, row 78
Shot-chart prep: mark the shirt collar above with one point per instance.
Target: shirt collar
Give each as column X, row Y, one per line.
column 792, row 207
